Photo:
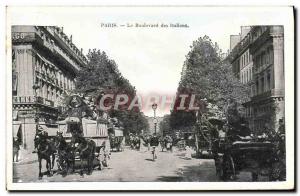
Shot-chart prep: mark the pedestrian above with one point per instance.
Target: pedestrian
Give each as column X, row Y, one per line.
column 188, row 153
column 154, row 142
column 16, row 148
column 104, row 154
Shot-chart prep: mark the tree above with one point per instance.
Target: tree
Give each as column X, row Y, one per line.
column 207, row 76
column 101, row 74
column 164, row 125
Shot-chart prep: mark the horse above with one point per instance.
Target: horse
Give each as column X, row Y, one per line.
column 134, row 142
column 45, row 150
column 169, row 143
column 115, row 143
column 146, row 141
column 86, row 149
column 66, row 156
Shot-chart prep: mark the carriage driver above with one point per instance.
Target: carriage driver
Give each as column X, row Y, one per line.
column 40, row 134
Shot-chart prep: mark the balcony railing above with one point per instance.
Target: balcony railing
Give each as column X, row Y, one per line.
column 269, row 93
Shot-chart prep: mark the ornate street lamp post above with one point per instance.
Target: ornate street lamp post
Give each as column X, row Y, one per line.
column 154, row 107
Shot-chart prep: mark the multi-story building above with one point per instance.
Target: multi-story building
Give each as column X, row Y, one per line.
column 258, row 60
column 44, row 65
column 268, row 76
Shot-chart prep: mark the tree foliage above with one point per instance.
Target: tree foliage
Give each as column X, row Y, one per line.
column 101, row 74
column 164, row 125
column 209, row 77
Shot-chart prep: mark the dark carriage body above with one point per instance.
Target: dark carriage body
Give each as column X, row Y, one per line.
column 251, row 156
column 259, row 158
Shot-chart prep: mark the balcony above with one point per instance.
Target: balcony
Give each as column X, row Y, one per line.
column 59, row 51
column 261, row 68
column 268, row 94
column 260, row 40
column 25, row 37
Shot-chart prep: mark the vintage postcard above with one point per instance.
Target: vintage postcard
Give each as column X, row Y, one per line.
column 150, row 98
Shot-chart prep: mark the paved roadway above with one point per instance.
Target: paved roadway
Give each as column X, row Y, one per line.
column 132, row 165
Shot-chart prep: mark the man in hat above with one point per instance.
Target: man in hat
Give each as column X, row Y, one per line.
column 40, row 134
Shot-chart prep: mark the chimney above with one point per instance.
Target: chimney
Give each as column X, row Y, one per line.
column 71, row 38
column 62, row 29
column 81, row 50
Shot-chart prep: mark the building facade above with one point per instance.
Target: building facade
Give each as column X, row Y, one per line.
column 44, row 66
column 267, row 49
column 258, row 61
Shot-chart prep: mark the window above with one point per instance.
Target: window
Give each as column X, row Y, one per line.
column 242, row 78
column 14, row 60
column 248, row 75
column 257, row 87
column 262, row 81
column 268, row 81
column 271, row 55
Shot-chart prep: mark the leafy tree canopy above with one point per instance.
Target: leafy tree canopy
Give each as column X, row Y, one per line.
column 101, row 74
column 209, row 77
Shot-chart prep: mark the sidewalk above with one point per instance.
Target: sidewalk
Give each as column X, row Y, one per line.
column 26, row 157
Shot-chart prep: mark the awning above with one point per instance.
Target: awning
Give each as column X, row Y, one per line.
column 16, row 128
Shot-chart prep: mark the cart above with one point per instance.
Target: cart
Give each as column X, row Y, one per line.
column 95, row 130
column 116, row 139
column 259, row 158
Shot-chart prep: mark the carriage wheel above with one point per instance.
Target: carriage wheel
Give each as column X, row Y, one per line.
column 228, row 168
column 277, row 172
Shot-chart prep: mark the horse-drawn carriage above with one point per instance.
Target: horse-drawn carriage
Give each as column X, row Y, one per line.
column 80, row 142
column 95, row 130
column 258, row 158
column 116, row 138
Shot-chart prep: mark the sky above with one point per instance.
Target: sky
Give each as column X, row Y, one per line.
column 150, row 58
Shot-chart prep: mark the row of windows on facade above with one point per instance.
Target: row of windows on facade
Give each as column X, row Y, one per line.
column 265, row 57
column 49, row 92
column 263, row 84
column 47, row 70
column 64, row 37
column 246, row 75
column 258, row 32
column 51, row 43
column 50, row 71
column 250, row 111
column 245, row 59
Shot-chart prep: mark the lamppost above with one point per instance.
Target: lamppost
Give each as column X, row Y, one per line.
column 36, row 118
column 154, row 107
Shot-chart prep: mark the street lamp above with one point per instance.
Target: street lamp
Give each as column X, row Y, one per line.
column 154, row 107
